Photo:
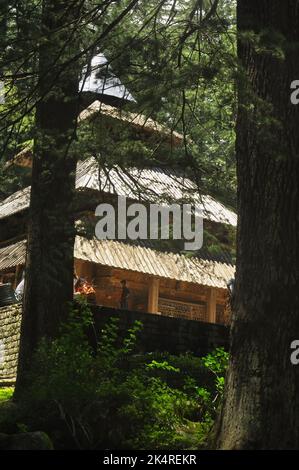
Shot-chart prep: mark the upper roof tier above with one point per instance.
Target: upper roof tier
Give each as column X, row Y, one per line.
column 99, row 109
column 153, row 185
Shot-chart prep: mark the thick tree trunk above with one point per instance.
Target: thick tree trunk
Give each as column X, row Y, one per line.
column 49, row 267
column 261, row 406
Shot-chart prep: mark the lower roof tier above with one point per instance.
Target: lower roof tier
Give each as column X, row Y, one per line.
column 136, row 258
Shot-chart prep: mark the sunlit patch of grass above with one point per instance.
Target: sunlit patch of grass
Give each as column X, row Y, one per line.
column 6, row 393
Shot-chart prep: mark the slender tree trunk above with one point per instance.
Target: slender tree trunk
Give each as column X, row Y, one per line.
column 4, row 4
column 261, row 406
column 49, row 267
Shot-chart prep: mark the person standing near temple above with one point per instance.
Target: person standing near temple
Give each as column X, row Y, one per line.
column 124, row 300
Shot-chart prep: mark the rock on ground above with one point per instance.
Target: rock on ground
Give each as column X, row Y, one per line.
column 26, row 441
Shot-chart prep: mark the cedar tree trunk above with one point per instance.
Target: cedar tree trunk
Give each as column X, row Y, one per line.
column 49, row 267
column 261, row 405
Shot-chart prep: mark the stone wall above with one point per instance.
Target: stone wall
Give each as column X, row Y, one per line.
column 10, row 321
column 159, row 333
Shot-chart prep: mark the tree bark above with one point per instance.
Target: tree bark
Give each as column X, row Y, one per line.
column 4, row 4
column 261, row 404
column 49, row 266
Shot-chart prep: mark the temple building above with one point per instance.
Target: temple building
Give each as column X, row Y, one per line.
column 157, row 278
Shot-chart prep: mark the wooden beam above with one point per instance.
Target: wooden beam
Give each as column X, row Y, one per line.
column 211, row 305
column 153, row 295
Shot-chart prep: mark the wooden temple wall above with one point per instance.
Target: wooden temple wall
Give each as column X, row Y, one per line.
column 149, row 294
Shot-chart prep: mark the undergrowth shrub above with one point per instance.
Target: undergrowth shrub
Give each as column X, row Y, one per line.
column 113, row 397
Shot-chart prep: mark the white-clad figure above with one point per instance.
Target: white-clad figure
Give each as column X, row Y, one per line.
column 19, row 292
